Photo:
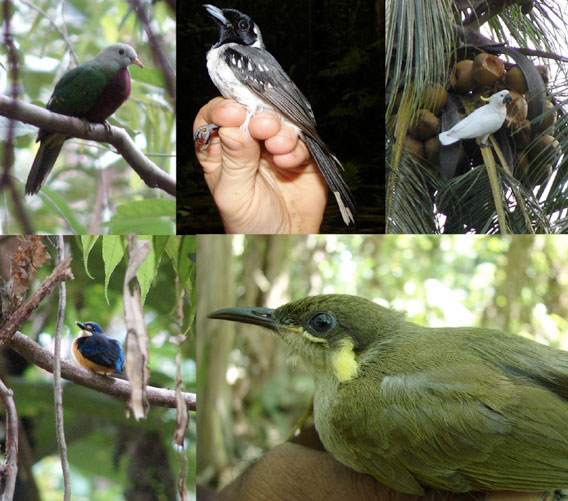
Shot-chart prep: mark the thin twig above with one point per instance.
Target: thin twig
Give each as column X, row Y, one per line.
column 157, row 49
column 119, row 388
column 148, row 171
column 10, row 468
column 6, row 180
column 57, row 388
column 182, row 415
column 61, row 31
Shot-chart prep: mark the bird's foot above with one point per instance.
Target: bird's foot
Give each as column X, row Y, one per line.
column 88, row 125
column 484, row 145
column 202, row 136
column 107, row 126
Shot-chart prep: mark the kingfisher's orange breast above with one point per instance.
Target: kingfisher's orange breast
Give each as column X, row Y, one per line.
column 88, row 364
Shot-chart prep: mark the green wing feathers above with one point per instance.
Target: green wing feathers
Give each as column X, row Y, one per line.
column 78, row 90
column 457, row 422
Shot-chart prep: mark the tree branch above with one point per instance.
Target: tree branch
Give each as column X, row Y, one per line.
column 119, row 388
column 10, row 468
column 157, row 48
column 57, row 387
column 148, row 171
column 60, row 273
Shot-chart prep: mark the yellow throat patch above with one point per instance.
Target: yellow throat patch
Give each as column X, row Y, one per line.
column 343, row 361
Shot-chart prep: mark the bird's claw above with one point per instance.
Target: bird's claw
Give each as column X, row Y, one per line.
column 202, row 136
column 484, row 145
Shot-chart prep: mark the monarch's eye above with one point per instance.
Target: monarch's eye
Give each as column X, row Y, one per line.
column 243, row 25
column 321, row 323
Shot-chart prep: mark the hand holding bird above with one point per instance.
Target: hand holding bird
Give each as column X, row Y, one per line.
column 242, row 69
column 262, row 182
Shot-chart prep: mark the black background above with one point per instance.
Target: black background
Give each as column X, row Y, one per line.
column 333, row 50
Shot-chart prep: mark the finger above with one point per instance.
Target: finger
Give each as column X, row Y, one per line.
column 222, row 112
column 264, row 125
column 237, row 175
column 287, row 150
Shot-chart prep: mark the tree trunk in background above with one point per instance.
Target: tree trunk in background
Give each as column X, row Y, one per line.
column 507, row 308
column 266, row 279
column 215, row 285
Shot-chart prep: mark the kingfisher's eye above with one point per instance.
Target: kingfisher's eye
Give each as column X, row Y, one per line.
column 321, row 323
column 243, row 25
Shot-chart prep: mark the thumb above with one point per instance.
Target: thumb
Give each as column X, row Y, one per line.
column 240, row 161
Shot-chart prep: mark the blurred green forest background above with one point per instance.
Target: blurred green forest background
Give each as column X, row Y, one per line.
column 91, row 189
column 250, row 395
column 111, row 457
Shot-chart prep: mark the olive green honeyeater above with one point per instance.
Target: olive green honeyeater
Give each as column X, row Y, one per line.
column 457, row 409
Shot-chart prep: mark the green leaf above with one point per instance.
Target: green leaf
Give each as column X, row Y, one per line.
column 114, row 248
column 88, row 241
column 144, row 217
column 185, row 265
column 172, row 247
column 64, row 210
column 149, row 268
column 150, row 76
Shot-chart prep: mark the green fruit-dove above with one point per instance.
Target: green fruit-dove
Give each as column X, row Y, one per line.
column 93, row 91
column 457, row 409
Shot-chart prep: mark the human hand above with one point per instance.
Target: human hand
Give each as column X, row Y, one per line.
column 304, row 471
column 266, row 183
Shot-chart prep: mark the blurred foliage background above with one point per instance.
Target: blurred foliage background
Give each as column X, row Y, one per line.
column 111, row 457
column 331, row 49
column 250, row 395
column 91, row 189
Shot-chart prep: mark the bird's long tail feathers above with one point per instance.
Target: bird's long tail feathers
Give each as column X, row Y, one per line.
column 43, row 163
column 331, row 170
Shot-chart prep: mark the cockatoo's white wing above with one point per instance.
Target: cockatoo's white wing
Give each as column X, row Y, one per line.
column 479, row 123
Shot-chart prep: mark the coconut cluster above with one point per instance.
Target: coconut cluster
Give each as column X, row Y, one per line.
column 487, row 74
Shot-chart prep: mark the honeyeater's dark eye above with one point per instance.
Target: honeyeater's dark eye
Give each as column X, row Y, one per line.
column 243, row 25
column 321, row 323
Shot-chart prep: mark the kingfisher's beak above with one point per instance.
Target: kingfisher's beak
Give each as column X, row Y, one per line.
column 256, row 316
column 82, row 326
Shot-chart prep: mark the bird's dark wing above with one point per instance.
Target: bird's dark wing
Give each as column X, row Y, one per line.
column 78, row 90
column 264, row 76
column 102, row 350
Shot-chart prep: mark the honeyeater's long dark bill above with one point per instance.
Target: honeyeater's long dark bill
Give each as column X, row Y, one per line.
column 256, row 316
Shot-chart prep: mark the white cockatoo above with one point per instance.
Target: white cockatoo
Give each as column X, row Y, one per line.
column 480, row 122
